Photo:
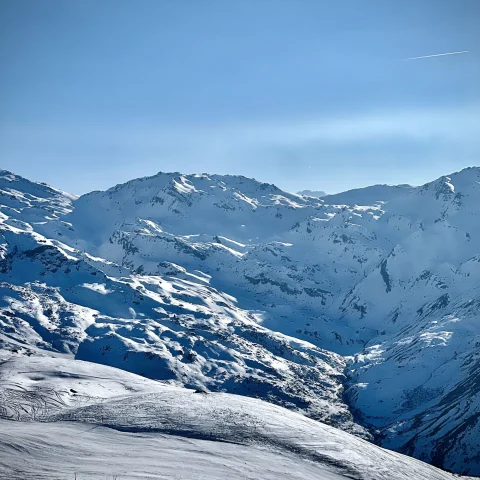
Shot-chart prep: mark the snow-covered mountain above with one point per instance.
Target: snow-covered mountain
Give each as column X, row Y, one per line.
column 375, row 194
column 159, row 320
column 363, row 302
column 313, row 193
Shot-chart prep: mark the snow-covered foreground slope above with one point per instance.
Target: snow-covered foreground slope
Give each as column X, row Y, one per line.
column 63, row 451
column 95, row 421
column 365, row 300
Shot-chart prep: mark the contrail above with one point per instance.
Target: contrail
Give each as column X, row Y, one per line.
column 437, row 55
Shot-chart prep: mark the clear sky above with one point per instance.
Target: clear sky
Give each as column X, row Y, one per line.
column 301, row 93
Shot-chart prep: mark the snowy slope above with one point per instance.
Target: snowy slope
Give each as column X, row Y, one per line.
column 368, row 195
column 225, row 283
column 139, row 428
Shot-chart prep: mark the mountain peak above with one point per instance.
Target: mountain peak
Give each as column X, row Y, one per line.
column 312, row 193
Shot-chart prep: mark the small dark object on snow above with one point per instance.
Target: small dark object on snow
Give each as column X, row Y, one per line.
column 73, row 391
column 204, row 392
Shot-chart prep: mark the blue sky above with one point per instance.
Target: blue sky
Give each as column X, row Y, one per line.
column 305, row 94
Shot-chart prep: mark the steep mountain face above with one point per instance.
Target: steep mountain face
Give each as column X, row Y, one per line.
column 423, row 392
column 222, row 282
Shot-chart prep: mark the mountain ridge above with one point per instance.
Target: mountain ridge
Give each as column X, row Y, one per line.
column 223, row 282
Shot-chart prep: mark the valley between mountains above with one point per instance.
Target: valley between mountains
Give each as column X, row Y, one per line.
column 359, row 310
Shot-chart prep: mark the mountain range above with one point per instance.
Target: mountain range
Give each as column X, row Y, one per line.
column 358, row 309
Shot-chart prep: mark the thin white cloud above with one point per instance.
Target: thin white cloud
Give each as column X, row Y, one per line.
column 437, row 55
column 388, row 146
column 458, row 124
